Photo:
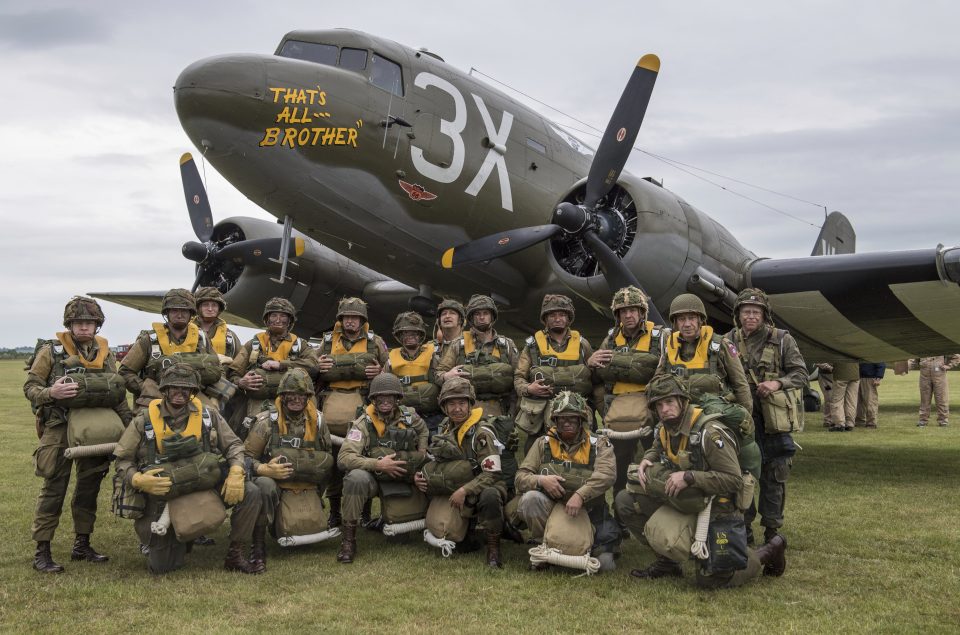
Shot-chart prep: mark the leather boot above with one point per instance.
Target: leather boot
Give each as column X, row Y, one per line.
column 43, row 561
column 493, row 551
column 773, row 556
column 365, row 514
column 348, row 544
column 661, row 568
column 335, row 519
column 769, row 533
column 235, row 560
column 258, row 552
column 83, row 551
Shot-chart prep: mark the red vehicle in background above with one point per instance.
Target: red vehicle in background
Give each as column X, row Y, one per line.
column 121, row 351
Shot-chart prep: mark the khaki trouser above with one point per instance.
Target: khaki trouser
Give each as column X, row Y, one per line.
column 934, row 383
column 843, row 402
column 359, row 486
column 53, row 491
column 534, row 508
column 869, row 403
column 826, row 389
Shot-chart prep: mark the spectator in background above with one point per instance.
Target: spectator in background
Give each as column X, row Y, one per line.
column 844, row 396
column 870, row 375
column 933, row 382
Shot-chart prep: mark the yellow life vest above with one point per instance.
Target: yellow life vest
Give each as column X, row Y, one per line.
column 684, row 439
column 571, row 353
column 167, row 347
column 581, row 456
column 103, row 349
column 469, row 346
column 475, row 415
column 379, row 425
column 700, row 357
column 219, row 339
column 282, row 351
column 194, row 423
column 416, row 370
column 337, row 348
column 310, row 427
column 643, row 346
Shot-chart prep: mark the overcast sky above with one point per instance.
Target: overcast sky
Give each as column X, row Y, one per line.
column 852, row 105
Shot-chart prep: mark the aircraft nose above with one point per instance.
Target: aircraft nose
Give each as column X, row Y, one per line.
column 220, row 88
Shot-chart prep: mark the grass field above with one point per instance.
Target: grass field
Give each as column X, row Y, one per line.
column 873, row 522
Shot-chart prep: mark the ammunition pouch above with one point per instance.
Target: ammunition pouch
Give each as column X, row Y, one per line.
column 271, row 381
column 630, row 367
column 575, row 377
column 191, row 474
column 300, row 513
column 422, row 396
column 349, row 366
column 222, row 390
column 531, row 414
column 491, row 379
column 94, row 389
column 691, row 500
column 309, row 465
column 206, row 364
column 127, row 501
column 446, row 477
column 782, row 411
column 93, row 426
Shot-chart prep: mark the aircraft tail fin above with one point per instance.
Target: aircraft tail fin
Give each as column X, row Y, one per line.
column 836, row 237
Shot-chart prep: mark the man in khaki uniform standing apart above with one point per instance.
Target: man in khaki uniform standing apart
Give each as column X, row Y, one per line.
column 844, row 396
column 868, row 406
column 700, row 457
column 78, row 349
column 933, row 382
column 706, row 361
column 375, row 437
column 553, row 360
column 351, row 356
column 484, row 357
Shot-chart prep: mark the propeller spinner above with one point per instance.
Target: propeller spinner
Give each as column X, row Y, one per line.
column 587, row 221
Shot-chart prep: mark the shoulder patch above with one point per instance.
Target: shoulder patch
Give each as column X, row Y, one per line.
column 611, row 331
column 655, row 332
column 530, row 341
column 354, row 435
column 717, row 440
column 491, row 463
column 328, row 337
column 714, row 346
column 733, row 349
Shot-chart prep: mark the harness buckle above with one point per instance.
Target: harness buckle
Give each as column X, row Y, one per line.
column 291, row 442
column 405, row 381
column 679, row 371
column 548, row 361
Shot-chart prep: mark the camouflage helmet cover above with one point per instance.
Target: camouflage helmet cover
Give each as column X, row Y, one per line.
column 556, row 302
column 82, row 308
column 457, row 387
column 280, row 305
column 352, row 306
column 687, row 303
column 753, row 296
column 212, row 294
column 663, row 386
column 178, row 299
column 628, row 297
column 478, row 302
column 449, row 303
column 409, row 321
column 385, row 384
column 295, row 381
column 183, row 375
column 567, row 402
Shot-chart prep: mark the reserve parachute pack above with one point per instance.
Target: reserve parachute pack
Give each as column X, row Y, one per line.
column 562, row 370
column 187, row 461
column 632, row 365
column 349, row 367
column 574, row 475
column 399, row 441
column 206, row 364
column 704, row 376
column 490, row 375
column 96, row 387
column 311, row 464
column 271, row 378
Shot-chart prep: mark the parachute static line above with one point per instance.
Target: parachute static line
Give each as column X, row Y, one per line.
column 445, row 546
column 162, row 524
column 84, row 451
column 625, row 436
column 544, row 554
column 699, row 547
column 335, row 440
column 395, row 529
column 308, row 539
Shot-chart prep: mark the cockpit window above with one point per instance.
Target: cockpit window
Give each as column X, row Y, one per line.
column 353, row 59
column 386, row 75
column 310, row 52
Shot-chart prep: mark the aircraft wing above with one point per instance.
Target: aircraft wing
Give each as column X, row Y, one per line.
column 883, row 306
column 149, row 301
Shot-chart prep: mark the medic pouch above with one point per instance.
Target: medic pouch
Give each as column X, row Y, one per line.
column 727, row 545
column 95, row 389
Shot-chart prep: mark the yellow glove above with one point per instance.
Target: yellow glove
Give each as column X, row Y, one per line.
column 275, row 469
column 232, row 491
column 151, row 483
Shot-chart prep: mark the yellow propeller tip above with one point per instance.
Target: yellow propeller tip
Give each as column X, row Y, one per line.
column 650, row 62
column 299, row 246
column 186, row 157
column 447, row 260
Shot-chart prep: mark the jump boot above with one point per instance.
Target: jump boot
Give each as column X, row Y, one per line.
column 772, row 556
column 235, row 560
column 335, row 519
column 258, row 552
column 43, row 561
column 493, row 551
column 83, row 551
column 661, row 568
column 348, row 544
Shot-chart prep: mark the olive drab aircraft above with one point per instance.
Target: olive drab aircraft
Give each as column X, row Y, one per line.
column 398, row 178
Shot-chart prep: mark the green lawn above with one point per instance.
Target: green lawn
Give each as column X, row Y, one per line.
column 872, row 523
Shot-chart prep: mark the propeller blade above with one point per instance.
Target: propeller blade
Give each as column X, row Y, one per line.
column 259, row 250
column 497, row 245
column 618, row 275
column 198, row 205
column 621, row 132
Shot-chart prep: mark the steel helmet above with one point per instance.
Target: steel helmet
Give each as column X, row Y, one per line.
column 204, row 294
column 567, row 402
column 82, row 308
column 449, row 303
column 753, row 296
column 183, row 375
column 178, row 299
column 478, row 302
column 457, row 387
column 409, row 321
column 663, row 386
column 385, row 384
column 352, row 306
column 280, row 305
column 628, row 297
column 297, row 381
column 687, row 303
column 556, row 302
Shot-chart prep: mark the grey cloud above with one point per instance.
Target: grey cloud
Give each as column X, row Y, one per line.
column 52, row 28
